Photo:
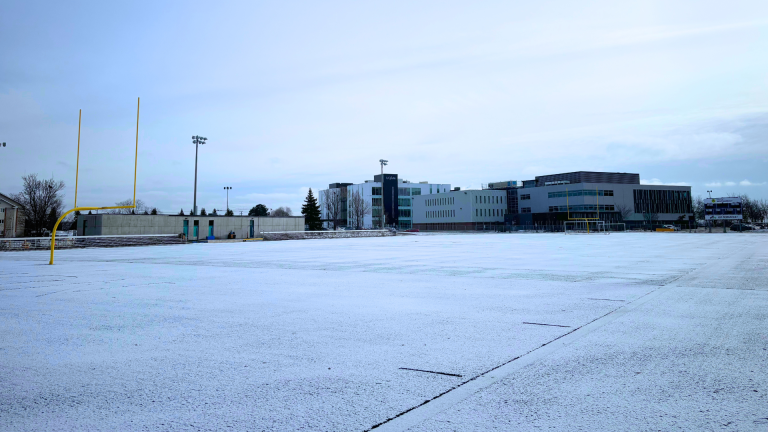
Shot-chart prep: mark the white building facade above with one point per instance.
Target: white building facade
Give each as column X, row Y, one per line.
column 459, row 210
column 394, row 199
column 12, row 217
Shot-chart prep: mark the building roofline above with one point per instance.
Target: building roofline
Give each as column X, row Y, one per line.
column 12, row 201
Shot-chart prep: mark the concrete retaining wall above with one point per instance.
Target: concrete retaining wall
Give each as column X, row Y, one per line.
column 109, row 224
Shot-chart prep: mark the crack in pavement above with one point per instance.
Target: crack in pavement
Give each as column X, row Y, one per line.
column 431, row 407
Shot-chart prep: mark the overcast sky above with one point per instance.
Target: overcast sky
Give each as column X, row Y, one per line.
column 294, row 95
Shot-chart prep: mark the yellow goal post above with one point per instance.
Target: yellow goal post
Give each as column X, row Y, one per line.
column 77, row 173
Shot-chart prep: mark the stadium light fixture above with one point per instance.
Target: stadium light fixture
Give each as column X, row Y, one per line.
column 227, row 188
column 196, row 140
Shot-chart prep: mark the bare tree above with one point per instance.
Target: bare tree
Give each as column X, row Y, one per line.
column 281, row 212
column 650, row 217
column 624, row 211
column 141, row 207
column 699, row 208
column 40, row 200
column 332, row 202
column 358, row 209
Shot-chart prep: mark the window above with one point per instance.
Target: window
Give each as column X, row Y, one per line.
column 376, row 202
column 404, row 191
column 525, row 197
column 415, row 192
column 525, row 210
column 477, row 212
column 376, row 191
column 404, row 202
column 404, row 212
column 608, row 193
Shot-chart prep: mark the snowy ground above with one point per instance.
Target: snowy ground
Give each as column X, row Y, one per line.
column 646, row 331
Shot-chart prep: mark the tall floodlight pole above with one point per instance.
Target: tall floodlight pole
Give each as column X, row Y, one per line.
column 227, row 188
column 382, row 162
column 196, row 140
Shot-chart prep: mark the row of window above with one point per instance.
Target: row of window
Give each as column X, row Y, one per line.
column 525, row 197
column 403, row 202
column 525, row 209
column 489, row 199
column 577, row 193
column 490, row 212
column 585, row 207
column 440, row 201
column 404, row 212
column 441, row 213
column 408, row 191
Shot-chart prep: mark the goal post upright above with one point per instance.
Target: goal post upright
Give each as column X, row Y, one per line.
column 77, row 171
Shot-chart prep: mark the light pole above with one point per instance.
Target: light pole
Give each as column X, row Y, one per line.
column 227, row 188
column 382, row 162
column 709, row 223
column 196, row 140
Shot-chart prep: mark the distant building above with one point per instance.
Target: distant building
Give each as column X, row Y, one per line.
column 395, row 199
column 553, row 199
column 193, row 227
column 459, row 210
column 12, row 217
column 612, row 197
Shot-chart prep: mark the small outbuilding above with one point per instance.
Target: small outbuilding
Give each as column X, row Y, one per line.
column 193, row 227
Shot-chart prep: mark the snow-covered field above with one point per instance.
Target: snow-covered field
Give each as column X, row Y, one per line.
column 645, row 331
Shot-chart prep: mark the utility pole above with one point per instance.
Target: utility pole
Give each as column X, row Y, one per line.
column 196, row 140
column 382, row 162
column 227, row 188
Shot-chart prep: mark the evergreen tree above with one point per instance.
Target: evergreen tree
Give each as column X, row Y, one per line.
column 154, row 211
column 258, row 210
column 311, row 212
column 214, row 213
column 181, row 212
column 53, row 216
column 203, row 212
column 229, row 213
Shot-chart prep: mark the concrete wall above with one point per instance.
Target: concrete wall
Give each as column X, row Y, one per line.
column 108, row 224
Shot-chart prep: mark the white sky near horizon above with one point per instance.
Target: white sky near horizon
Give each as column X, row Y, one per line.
column 293, row 95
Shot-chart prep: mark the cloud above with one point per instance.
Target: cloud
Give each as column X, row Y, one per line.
column 746, row 182
column 657, row 182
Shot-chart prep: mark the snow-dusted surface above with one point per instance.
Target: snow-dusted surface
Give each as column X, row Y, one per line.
column 663, row 332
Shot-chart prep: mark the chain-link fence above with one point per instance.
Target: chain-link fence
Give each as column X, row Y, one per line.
column 75, row 242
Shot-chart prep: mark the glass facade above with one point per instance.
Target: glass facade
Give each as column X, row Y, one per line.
column 662, row 201
column 578, row 193
column 584, row 207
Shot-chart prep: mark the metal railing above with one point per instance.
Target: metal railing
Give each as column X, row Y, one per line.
column 76, row 242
